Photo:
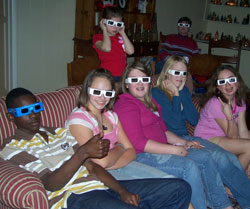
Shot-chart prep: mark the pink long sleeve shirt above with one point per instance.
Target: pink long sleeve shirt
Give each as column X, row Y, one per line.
column 139, row 122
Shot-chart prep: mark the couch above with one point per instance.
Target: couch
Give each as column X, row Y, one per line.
column 20, row 188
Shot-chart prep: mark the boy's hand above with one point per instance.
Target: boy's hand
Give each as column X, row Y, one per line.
column 122, row 30
column 96, row 147
column 130, row 198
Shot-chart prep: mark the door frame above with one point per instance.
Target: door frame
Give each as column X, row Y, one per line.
column 12, row 46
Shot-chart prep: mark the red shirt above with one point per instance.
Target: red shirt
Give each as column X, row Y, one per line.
column 116, row 60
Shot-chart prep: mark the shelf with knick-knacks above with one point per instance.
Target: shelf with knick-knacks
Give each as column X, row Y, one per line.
column 230, row 19
column 227, row 14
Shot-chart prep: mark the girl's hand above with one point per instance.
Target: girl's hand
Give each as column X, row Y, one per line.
column 193, row 144
column 130, row 198
column 103, row 25
column 170, row 87
column 226, row 109
column 180, row 150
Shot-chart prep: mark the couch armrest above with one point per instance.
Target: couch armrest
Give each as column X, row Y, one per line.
column 20, row 188
column 196, row 99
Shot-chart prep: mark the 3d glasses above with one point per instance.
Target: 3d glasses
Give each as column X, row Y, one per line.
column 114, row 23
column 177, row 73
column 26, row 110
column 226, row 80
column 185, row 25
column 98, row 92
column 138, row 79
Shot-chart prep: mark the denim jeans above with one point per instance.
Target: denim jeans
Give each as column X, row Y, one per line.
column 153, row 193
column 136, row 170
column 199, row 170
column 230, row 170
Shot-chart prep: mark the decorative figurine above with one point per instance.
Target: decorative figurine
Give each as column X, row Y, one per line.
column 208, row 36
column 229, row 19
column 246, row 3
column 231, row 3
column 245, row 21
column 213, row 17
column 216, row 1
column 222, row 36
column 216, row 36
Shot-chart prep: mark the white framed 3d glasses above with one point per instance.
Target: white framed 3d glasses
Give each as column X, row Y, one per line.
column 114, row 23
column 138, row 79
column 99, row 92
column 185, row 25
column 177, row 73
column 226, row 80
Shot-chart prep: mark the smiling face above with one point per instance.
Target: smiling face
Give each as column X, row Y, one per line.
column 27, row 123
column 138, row 90
column 178, row 81
column 99, row 102
column 113, row 30
column 229, row 89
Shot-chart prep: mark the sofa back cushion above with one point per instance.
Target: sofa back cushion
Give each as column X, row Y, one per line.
column 57, row 106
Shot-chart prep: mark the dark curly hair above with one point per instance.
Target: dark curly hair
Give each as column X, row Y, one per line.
column 16, row 93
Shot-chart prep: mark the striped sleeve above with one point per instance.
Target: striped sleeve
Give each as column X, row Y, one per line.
column 80, row 117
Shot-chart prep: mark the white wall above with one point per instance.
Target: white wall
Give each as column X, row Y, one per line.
column 45, row 29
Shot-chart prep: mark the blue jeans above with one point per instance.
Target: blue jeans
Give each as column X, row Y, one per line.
column 230, row 170
column 136, row 170
column 154, row 194
column 199, row 170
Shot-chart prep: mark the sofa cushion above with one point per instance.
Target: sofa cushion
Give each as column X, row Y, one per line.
column 20, row 188
column 196, row 101
column 6, row 127
column 57, row 106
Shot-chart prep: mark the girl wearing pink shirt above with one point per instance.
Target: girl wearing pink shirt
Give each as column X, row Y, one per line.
column 223, row 120
column 94, row 115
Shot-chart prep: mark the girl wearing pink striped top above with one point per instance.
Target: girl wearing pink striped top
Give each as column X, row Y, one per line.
column 94, row 115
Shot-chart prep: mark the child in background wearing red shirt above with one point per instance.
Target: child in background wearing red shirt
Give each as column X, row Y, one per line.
column 113, row 45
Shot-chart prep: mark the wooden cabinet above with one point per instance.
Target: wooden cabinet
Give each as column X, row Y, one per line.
column 146, row 48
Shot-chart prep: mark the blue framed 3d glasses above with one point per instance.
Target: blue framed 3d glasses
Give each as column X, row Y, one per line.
column 26, row 110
